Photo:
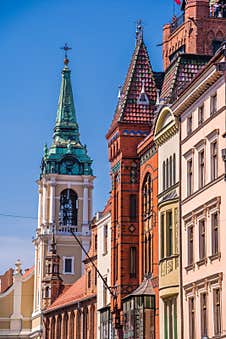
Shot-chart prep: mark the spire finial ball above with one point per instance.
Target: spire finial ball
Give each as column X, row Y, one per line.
column 66, row 61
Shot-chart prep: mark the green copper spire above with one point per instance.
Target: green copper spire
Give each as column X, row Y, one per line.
column 66, row 127
column 66, row 155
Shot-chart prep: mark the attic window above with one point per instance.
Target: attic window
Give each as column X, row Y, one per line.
column 143, row 98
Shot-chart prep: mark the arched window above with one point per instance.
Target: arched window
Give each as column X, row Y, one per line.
column 68, row 213
column 147, row 196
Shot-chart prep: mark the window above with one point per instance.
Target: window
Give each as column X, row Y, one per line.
column 190, row 245
column 68, row 208
column 174, row 168
column 217, row 311
column 162, row 236
column 214, row 160
column 133, row 251
column 68, row 265
column 213, row 104
column 105, row 239
column 191, row 309
column 116, row 262
column 201, row 169
column 47, row 294
column 200, row 115
column 133, row 207
column 104, row 292
column 147, row 196
column 215, row 233
column 189, row 125
column 167, row 173
column 171, row 171
column 202, row 239
column 169, row 233
column 95, row 242
column 189, row 177
column 164, row 175
column 89, row 279
column 170, row 318
column 203, row 307
column 95, row 278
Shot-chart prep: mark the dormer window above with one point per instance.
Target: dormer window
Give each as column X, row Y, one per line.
column 143, row 98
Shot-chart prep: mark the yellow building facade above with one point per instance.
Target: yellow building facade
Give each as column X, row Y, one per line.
column 16, row 304
column 167, row 140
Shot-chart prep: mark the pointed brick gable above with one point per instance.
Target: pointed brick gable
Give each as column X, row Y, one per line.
column 128, row 109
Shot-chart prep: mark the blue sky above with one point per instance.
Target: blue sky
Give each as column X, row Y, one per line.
column 102, row 35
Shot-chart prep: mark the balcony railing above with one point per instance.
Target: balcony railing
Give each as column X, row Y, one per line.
column 176, row 22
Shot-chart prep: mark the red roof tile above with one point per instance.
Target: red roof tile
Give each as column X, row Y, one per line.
column 128, row 109
column 180, row 73
column 28, row 271
column 70, row 295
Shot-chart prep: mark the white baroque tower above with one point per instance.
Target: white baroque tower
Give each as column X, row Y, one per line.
column 65, row 201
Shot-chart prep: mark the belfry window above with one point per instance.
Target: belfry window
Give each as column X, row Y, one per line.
column 68, row 208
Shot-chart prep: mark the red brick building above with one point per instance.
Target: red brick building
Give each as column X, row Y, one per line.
column 132, row 122
column 199, row 30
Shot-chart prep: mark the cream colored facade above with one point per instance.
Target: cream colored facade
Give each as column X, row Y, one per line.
column 203, row 200
column 104, row 266
column 50, row 188
column 167, row 140
column 16, row 305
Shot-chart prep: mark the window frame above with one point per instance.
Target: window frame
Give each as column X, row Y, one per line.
column 213, row 103
column 189, row 125
column 190, row 177
column 217, row 314
column 214, row 159
column 202, row 239
column 202, row 167
column 201, row 114
column 215, row 229
column 204, row 314
column 190, row 245
column 72, row 265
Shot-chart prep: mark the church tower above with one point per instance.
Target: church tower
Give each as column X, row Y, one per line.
column 65, row 203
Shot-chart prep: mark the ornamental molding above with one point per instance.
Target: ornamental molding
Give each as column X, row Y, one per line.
column 167, row 134
column 134, row 133
column 147, row 155
column 203, row 285
column 203, row 211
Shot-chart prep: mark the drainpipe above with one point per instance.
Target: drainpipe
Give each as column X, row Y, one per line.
column 180, row 237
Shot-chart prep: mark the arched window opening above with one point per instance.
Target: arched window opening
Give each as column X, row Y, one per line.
column 147, row 197
column 68, row 213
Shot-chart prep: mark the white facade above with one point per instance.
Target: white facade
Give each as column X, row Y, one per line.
column 50, row 188
column 103, row 263
column 203, row 201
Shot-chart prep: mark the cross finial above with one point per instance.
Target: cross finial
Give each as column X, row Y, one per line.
column 139, row 31
column 66, row 48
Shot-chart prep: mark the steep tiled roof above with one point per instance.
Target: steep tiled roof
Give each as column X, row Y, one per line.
column 139, row 74
column 180, row 73
column 74, row 293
